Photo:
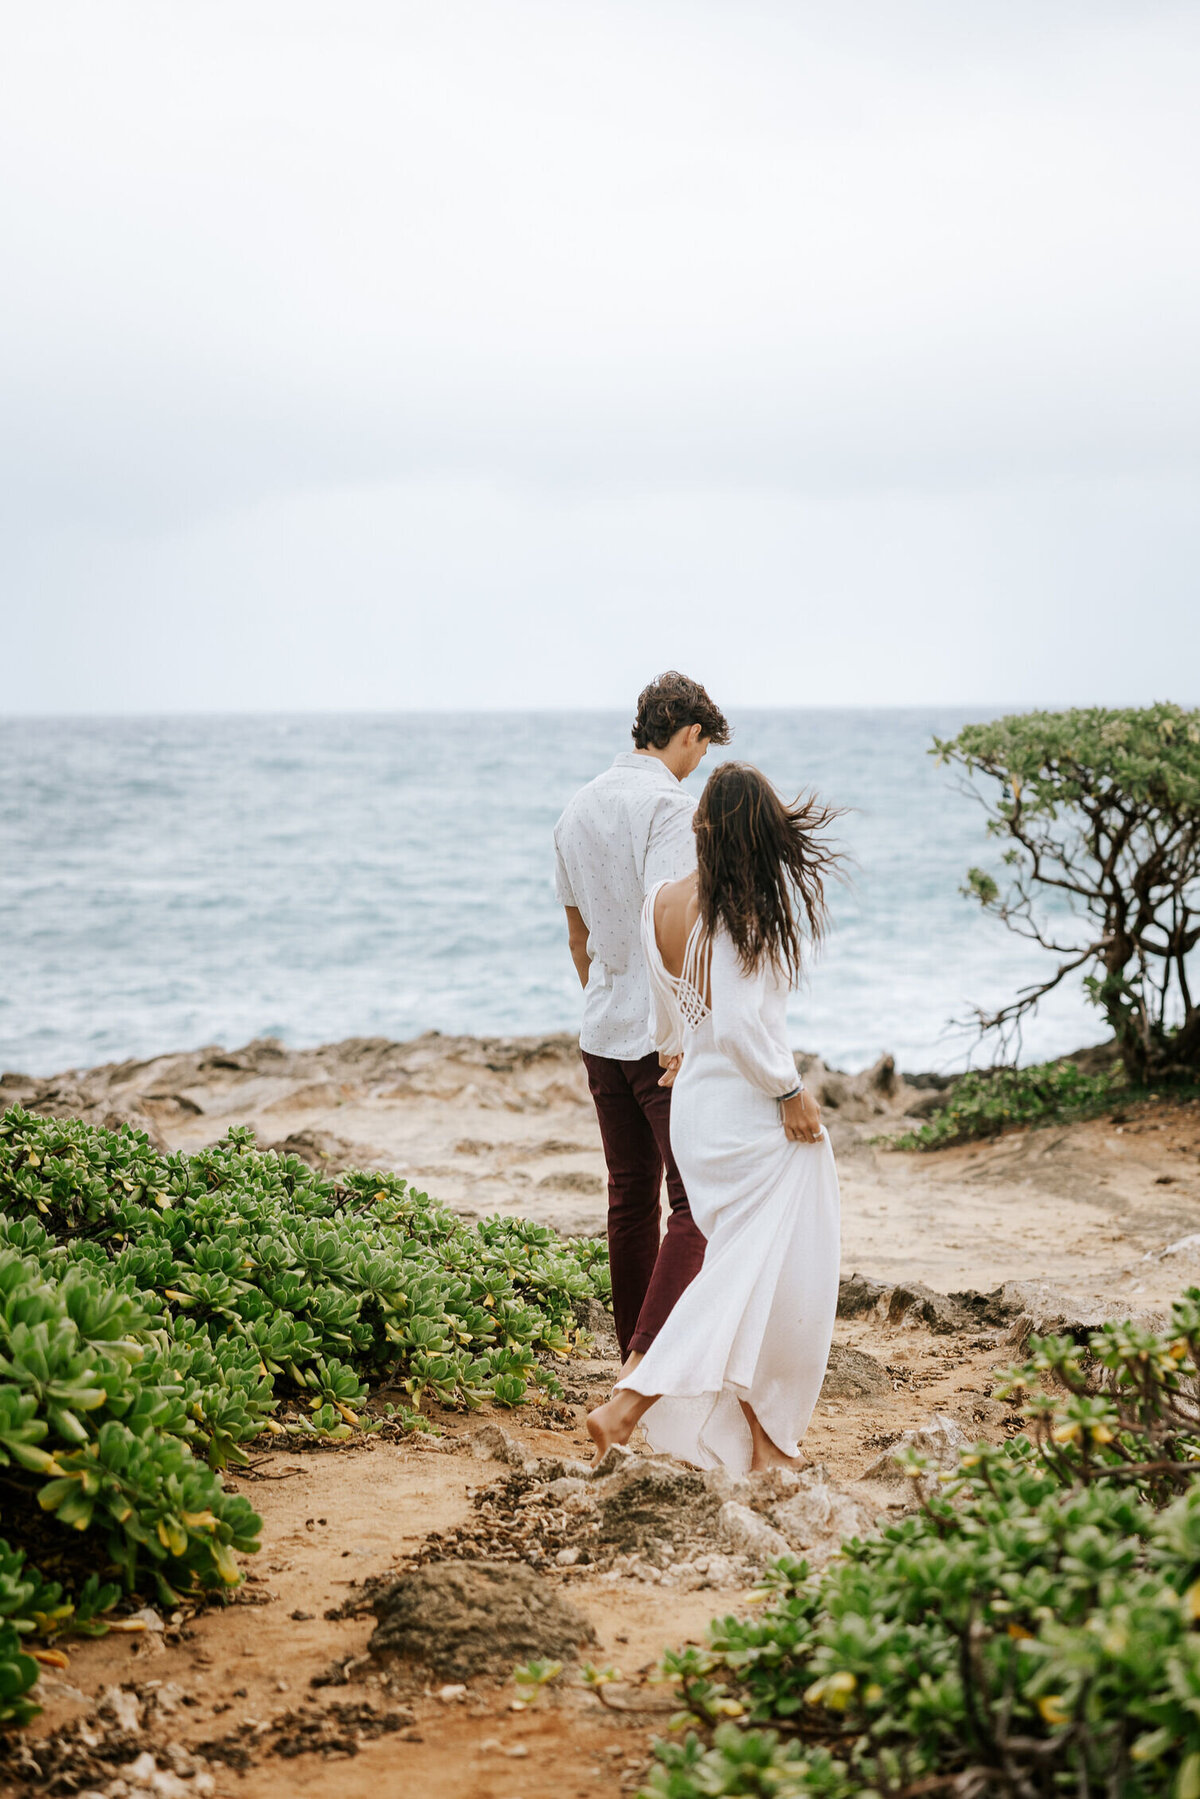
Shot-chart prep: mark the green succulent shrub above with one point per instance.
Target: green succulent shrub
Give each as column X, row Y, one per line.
column 989, row 1101
column 1031, row 1630
column 1099, row 813
column 156, row 1310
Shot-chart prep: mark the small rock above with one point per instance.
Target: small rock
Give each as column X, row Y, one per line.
column 123, row 1708
column 517, row 1751
column 492, row 1442
column 449, row 1695
column 567, row 1558
column 561, row 1489
column 940, row 1441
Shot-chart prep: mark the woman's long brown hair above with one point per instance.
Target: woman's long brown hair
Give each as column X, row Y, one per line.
column 762, row 866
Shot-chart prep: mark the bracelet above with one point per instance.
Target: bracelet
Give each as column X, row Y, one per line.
column 792, row 1094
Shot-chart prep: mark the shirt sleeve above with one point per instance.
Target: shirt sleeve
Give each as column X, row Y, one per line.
column 738, row 1029
column 563, row 890
column 671, row 849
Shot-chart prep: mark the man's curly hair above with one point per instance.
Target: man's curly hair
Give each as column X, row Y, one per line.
column 669, row 703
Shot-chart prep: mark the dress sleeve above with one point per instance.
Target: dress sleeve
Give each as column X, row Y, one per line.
column 666, row 1020
column 738, row 1028
column 671, row 849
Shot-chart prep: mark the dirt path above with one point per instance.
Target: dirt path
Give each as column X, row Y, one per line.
column 1105, row 1210
column 332, row 1519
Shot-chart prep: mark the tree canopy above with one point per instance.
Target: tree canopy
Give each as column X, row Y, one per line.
column 1100, row 812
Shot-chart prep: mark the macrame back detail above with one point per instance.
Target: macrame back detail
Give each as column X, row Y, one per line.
column 694, row 979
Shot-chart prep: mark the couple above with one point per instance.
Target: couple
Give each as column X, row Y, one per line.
column 686, row 925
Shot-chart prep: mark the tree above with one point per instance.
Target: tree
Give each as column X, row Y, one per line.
column 1101, row 813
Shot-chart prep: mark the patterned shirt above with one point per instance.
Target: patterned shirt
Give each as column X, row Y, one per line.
column 623, row 832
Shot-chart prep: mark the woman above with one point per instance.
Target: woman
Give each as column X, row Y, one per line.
column 734, row 1374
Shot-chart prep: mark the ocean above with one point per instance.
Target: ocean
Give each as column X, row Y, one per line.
column 172, row 882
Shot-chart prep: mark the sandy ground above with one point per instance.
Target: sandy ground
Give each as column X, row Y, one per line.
column 1104, row 1210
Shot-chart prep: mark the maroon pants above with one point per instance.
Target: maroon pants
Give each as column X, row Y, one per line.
column 635, row 1129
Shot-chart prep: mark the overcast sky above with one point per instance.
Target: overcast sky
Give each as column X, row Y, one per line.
column 500, row 352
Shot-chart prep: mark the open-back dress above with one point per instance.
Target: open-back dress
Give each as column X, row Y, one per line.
column 757, row 1321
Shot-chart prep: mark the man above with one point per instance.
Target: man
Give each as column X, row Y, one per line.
column 626, row 830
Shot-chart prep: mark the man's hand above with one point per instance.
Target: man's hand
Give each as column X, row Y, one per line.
column 670, row 1066
column 577, row 937
column 801, row 1118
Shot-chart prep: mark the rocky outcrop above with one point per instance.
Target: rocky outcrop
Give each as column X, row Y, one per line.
column 879, row 1092
column 653, row 1519
column 1015, row 1311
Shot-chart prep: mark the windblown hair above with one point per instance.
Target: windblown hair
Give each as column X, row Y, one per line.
column 762, row 867
column 669, row 703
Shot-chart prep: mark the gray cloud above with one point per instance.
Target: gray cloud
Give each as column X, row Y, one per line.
column 399, row 355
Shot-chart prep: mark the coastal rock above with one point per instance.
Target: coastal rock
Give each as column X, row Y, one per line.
column 853, row 1375
column 911, row 1304
column 1037, row 1308
column 464, row 1619
column 878, row 1092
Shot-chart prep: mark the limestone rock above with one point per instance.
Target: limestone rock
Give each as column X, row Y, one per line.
column 745, row 1533
column 463, row 1619
column 853, row 1375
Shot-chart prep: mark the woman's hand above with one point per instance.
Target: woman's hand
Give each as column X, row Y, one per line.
column 801, row 1117
column 670, row 1066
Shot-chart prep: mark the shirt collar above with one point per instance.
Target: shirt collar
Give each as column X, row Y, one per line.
column 649, row 764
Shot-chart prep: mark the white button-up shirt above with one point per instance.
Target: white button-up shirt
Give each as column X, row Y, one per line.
column 627, row 829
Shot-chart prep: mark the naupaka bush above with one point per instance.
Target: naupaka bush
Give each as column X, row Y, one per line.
column 1031, row 1630
column 156, row 1310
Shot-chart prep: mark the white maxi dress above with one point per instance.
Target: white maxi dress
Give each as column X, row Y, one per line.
column 757, row 1321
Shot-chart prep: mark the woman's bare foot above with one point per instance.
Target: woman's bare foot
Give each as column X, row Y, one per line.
column 764, row 1453
column 614, row 1421
column 770, row 1457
